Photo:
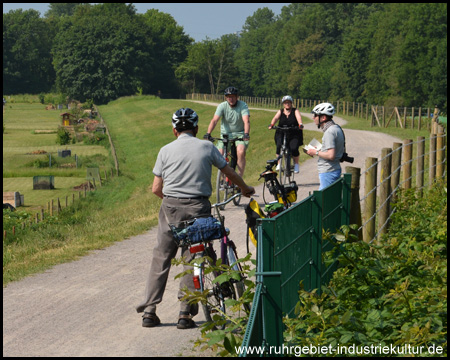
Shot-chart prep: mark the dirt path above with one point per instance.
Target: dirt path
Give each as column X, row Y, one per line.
column 87, row 307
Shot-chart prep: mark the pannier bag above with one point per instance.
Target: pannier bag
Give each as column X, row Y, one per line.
column 291, row 192
column 253, row 212
column 197, row 230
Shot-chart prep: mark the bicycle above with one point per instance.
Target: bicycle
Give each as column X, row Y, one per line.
column 286, row 166
column 205, row 272
column 284, row 194
column 224, row 187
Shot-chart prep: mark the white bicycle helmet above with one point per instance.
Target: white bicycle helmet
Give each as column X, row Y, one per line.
column 324, row 109
column 287, row 98
column 185, row 119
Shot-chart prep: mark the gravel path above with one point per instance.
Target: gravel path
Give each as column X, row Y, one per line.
column 87, row 307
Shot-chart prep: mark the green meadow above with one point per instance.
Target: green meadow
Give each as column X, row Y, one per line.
column 124, row 206
column 27, row 151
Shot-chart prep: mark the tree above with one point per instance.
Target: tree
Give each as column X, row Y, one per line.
column 103, row 53
column 27, row 66
column 209, row 62
column 170, row 49
column 61, row 9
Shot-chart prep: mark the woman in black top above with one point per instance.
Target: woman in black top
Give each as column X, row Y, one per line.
column 289, row 116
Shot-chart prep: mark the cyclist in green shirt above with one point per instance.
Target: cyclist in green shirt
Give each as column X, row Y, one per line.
column 235, row 123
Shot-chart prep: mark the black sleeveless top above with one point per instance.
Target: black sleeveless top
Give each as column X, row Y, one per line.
column 290, row 120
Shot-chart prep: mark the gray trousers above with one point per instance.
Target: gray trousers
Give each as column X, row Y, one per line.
column 173, row 210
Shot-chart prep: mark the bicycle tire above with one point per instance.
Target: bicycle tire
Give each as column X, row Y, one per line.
column 222, row 188
column 215, row 299
column 282, row 173
column 239, row 285
column 287, row 169
column 236, row 200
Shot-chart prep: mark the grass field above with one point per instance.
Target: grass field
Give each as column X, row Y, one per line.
column 20, row 140
column 124, row 206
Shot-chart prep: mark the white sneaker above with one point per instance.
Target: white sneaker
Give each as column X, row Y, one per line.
column 296, row 168
column 278, row 167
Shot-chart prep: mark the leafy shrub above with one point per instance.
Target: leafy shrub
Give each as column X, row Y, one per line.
column 41, row 163
column 223, row 341
column 96, row 139
column 41, row 97
column 391, row 293
column 62, row 136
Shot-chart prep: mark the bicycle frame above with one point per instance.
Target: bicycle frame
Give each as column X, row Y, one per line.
column 223, row 184
column 217, row 293
column 286, row 170
column 272, row 183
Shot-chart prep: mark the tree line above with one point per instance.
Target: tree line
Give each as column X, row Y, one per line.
column 380, row 53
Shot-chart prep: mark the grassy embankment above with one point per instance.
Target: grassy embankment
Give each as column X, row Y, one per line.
column 124, row 206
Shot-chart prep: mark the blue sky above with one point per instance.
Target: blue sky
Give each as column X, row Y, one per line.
column 199, row 20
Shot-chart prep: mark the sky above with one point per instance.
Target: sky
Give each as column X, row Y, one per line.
column 199, row 20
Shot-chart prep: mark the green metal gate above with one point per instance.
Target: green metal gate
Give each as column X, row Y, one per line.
column 290, row 250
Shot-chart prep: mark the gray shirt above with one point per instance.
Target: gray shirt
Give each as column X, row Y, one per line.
column 185, row 165
column 333, row 138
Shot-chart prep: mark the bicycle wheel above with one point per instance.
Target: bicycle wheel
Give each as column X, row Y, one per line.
column 236, row 200
column 214, row 309
column 222, row 188
column 238, row 284
column 287, row 169
column 283, row 169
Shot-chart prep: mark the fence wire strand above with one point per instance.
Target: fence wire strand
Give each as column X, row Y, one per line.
column 409, row 162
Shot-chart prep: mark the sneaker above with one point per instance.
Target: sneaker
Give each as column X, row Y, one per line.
column 296, row 168
column 150, row 320
column 278, row 167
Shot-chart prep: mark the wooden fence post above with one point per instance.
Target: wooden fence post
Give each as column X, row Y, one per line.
column 407, row 164
column 419, row 124
column 404, row 118
column 385, row 190
column 355, row 205
column 432, row 170
column 370, row 198
column 51, row 208
column 440, row 152
column 42, row 214
column 396, row 167
column 420, row 164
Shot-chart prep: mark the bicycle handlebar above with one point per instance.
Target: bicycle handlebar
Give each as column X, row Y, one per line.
column 226, row 201
column 230, row 140
column 286, row 128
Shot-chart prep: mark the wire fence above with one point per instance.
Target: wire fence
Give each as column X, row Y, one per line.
column 379, row 115
column 395, row 170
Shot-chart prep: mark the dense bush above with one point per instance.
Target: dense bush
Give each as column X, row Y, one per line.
column 392, row 293
column 62, row 136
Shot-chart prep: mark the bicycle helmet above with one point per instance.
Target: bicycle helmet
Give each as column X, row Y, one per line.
column 184, row 119
column 324, row 109
column 287, row 98
column 231, row 90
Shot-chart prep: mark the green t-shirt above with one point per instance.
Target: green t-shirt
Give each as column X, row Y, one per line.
column 232, row 116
